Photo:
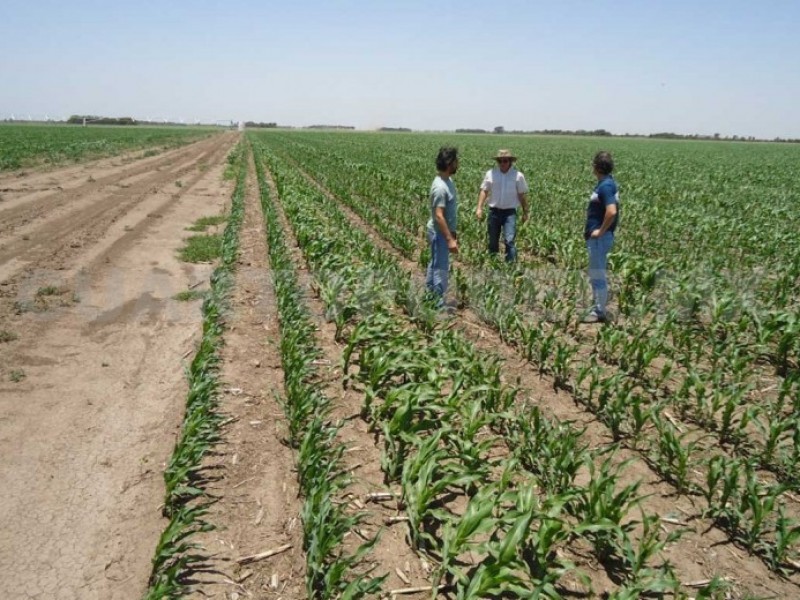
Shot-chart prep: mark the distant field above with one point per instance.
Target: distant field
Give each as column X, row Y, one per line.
column 28, row 145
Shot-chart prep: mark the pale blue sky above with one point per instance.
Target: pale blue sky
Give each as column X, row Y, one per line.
column 643, row 66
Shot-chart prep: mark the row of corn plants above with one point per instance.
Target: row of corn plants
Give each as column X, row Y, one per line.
column 631, row 409
column 433, row 399
column 186, row 502
column 331, row 572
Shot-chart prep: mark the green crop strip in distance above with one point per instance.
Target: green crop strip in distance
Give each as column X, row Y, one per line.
column 330, row 572
column 185, row 502
column 31, row 144
column 432, row 442
column 536, row 310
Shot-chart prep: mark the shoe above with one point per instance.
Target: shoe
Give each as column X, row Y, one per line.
column 594, row 317
column 447, row 308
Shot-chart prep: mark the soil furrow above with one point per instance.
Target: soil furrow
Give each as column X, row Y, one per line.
column 51, row 244
column 32, row 199
column 257, row 506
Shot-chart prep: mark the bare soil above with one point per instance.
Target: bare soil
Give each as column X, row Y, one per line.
column 92, row 390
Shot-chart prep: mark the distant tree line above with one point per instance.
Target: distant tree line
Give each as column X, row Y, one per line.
column 503, row 131
column 260, row 125
column 666, row 135
column 330, row 127
column 394, row 129
column 96, row 120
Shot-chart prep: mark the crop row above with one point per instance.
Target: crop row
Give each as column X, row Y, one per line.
column 186, row 503
column 330, row 572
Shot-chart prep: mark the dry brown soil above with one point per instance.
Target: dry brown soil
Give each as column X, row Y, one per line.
column 92, row 389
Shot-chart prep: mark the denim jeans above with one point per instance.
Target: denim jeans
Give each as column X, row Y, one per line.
column 504, row 220
column 598, row 260
column 436, row 279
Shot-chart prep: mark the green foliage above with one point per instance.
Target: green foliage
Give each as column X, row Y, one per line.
column 201, row 248
column 186, row 502
column 189, row 295
column 30, row 144
column 204, row 223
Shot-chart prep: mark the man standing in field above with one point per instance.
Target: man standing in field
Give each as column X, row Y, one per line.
column 506, row 189
column 601, row 223
column 442, row 225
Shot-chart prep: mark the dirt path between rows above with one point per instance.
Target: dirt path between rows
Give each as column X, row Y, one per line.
column 92, row 389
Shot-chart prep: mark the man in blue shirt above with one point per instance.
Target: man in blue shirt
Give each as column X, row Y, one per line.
column 601, row 223
column 442, row 225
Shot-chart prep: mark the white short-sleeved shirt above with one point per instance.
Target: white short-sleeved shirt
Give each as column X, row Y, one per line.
column 503, row 188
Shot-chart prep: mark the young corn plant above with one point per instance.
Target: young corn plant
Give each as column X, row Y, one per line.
column 601, row 508
column 503, row 570
column 428, row 475
column 553, row 452
column 671, row 455
column 782, row 555
column 468, row 533
column 724, row 484
column 638, row 555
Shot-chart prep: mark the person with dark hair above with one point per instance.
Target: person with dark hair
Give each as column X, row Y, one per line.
column 602, row 215
column 506, row 189
column 442, row 225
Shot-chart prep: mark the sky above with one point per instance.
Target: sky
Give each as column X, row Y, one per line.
column 629, row 66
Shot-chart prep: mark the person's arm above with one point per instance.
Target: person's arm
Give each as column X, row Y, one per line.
column 523, row 201
column 522, row 195
column 481, row 199
column 452, row 244
column 483, row 194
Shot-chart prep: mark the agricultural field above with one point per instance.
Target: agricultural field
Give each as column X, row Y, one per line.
column 340, row 438
column 27, row 145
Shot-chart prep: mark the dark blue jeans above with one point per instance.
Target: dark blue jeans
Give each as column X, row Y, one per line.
column 505, row 220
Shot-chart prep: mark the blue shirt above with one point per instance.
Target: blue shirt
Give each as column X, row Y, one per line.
column 605, row 193
column 443, row 194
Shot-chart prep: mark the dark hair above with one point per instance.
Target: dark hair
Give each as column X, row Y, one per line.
column 446, row 157
column 603, row 163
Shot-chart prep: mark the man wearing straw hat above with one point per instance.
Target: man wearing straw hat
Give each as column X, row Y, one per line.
column 506, row 189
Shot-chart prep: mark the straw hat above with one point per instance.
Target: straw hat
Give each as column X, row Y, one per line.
column 505, row 154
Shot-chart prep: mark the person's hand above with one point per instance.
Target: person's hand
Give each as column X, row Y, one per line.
column 595, row 234
column 452, row 246
column 525, row 216
column 479, row 213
